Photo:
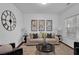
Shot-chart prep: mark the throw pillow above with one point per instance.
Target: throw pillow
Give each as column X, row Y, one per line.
column 49, row 35
column 35, row 36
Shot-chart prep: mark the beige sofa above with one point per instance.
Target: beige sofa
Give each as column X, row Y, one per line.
column 31, row 41
column 5, row 48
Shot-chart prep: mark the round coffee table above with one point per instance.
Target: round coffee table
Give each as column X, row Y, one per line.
column 45, row 48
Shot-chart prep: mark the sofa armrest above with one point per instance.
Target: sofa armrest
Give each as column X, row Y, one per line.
column 56, row 38
column 18, row 51
column 13, row 45
column 5, row 48
column 28, row 37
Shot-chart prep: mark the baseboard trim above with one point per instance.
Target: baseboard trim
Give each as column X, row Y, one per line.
column 20, row 44
column 66, row 45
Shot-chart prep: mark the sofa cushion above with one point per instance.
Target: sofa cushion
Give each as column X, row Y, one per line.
column 49, row 35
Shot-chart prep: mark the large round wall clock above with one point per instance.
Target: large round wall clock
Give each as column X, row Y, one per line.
column 8, row 20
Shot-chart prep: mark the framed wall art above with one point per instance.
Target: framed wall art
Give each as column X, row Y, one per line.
column 48, row 25
column 70, row 25
column 41, row 25
column 34, row 25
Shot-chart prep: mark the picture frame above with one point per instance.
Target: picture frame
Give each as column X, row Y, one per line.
column 70, row 25
column 33, row 25
column 49, row 25
column 41, row 25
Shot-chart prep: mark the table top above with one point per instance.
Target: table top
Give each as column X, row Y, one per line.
column 45, row 47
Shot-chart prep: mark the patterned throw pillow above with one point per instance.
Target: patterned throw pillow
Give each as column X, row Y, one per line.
column 49, row 35
column 35, row 36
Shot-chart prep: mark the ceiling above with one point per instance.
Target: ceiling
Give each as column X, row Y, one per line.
column 40, row 8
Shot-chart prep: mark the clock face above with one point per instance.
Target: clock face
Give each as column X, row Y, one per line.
column 8, row 20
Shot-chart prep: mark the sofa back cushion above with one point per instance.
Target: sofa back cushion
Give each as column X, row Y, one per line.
column 31, row 35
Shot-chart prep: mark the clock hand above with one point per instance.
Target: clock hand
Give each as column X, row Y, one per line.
column 10, row 27
column 10, row 15
column 10, row 19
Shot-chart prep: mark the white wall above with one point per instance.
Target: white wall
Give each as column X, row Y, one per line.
column 15, row 35
column 29, row 17
column 71, row 11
